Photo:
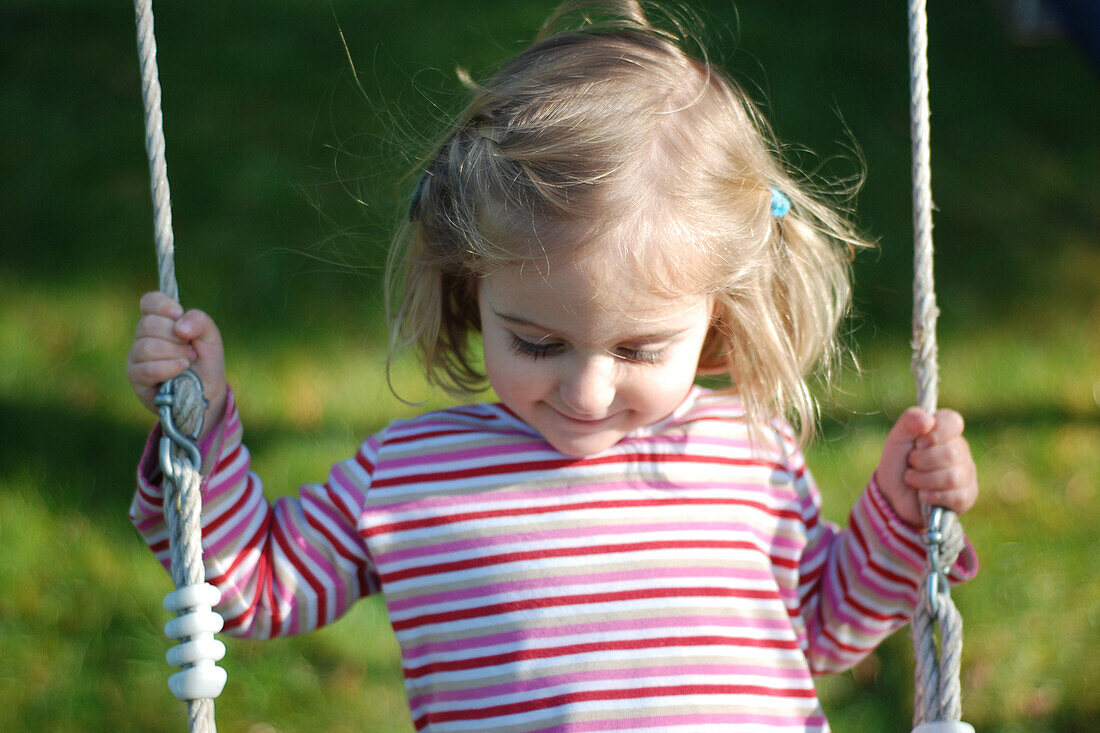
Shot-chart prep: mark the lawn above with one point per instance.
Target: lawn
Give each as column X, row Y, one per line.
column 287, row 171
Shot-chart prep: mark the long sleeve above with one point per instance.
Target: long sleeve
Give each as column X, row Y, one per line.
column 282, row 569
column 859, row 585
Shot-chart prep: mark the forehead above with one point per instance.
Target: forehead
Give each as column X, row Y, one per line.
column 598, row 293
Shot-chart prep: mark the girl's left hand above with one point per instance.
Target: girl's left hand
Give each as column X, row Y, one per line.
column 927, row 460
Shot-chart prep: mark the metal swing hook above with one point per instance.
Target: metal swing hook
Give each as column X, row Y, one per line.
column 165, row 401
column 937, row 575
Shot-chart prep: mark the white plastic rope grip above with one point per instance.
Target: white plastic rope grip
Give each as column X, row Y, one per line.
column 197, row 623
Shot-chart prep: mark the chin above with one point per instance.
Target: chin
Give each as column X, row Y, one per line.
column 582, row 447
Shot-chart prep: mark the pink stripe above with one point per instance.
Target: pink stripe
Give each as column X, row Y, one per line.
column 321, row 565
column 668, row 674
column 723, row 443
column 637, row 530
column 573, row 502
column 538, row 497
column 458, row 455
column 145, row 525
column 643, row 574
column 234, row 531
column 691, row 721
column 223, row 483
column 336, row 524
column 870, row 516
column 410, row 428
column 905, row 597
column 815, row 557
column 863, row 567
column 617, row 627
column 836, row 603
column 340, row 477
column 284, row 593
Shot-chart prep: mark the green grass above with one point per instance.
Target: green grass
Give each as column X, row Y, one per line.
column 269, row 143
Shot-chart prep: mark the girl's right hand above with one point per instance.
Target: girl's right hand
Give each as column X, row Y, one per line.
column 167, row 342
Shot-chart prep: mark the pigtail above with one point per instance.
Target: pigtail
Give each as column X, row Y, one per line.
column 779, row 323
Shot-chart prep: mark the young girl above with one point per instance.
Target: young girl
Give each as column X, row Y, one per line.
column 609, row 546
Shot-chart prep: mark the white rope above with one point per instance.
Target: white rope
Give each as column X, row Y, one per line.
column 937, row 695
column 182, row 502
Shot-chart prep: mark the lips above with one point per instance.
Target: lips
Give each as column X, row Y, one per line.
column 585, row 421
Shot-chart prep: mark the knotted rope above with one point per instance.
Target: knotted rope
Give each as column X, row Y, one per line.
column 937, row 670
column 181, row 400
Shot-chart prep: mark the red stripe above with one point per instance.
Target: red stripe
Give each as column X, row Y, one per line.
column 365, row 463
column 150, row 499
column 526, row 706
column 876, row 502
column 337, row 500
column 257, row 541
column 808, row 579
column 338, row 544
column 580, row 599
column 225, row 460
column 447, row 519
column 427, row 435
column 474, row 413
column 248, row 613
column 484, row 561
column 873, row 562
column 290, row 549
column 857, row 650
column 558, row 463
column 266, row 580
column 530, row 653
column 244, row 497
column 848, row 597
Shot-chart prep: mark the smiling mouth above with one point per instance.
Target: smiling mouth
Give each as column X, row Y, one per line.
column 588, row 421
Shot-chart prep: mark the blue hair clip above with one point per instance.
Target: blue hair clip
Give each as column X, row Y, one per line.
column 781, row 205
column 414, row 200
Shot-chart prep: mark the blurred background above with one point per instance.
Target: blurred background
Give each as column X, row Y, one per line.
column 291, row 130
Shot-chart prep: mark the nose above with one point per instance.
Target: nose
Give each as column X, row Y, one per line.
column 588, row 387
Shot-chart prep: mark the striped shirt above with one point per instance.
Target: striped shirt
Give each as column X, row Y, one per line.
column 679, row 581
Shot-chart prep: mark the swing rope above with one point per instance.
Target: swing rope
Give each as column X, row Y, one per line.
column 181, row 407
column 937, row 696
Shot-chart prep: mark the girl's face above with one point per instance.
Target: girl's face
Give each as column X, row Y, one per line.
column 585, row 353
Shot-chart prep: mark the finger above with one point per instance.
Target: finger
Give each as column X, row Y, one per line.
column 157, row 303
column 955, row 451
column 158, row 327
column 944, row 479
column 948, row 425
column 145, row 349
column 199, row 328
column 913, row 423
column 959, row 500
column 150, row 374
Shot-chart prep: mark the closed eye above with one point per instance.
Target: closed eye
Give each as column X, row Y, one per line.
column 640, row 356
column 534, row 349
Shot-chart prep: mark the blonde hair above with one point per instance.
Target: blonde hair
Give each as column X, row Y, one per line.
column 607, row 130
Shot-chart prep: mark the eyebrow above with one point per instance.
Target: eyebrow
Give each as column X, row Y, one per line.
column 648, row 338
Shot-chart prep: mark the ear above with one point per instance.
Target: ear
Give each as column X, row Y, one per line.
column 711, row 369
column 713, row 359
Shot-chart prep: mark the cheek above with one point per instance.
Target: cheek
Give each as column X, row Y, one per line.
column 509, row 375
column 496, row 358
column 672, row 383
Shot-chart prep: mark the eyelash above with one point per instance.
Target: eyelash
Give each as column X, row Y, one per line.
column 531, row 349
column 536, row 351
